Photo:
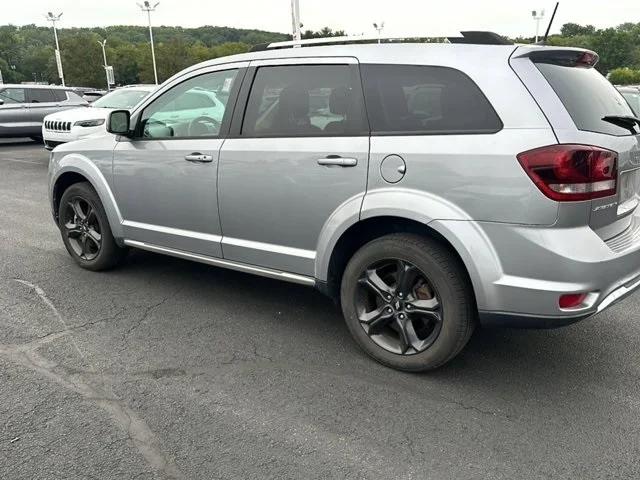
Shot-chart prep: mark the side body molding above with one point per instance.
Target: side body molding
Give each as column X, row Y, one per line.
column 96, row 172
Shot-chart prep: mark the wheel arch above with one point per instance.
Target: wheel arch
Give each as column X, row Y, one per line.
column 75, row 169
column 366, row 230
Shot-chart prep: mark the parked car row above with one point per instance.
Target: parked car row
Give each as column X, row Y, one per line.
column 23, row 107
column 402, row 180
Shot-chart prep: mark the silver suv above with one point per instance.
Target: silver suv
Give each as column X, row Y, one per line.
column 23, row 107
column 425, row 187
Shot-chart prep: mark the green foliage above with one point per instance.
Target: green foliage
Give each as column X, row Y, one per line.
column 624, row 76
column 30, row 50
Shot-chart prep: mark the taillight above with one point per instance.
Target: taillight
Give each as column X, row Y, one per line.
column 570, row 173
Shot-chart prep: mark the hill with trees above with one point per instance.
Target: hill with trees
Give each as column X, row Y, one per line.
column 26, row 53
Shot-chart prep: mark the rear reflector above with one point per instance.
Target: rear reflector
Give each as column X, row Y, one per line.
column 571, row 173
column 571, row 300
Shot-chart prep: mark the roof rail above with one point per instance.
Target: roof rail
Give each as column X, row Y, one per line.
column 476, row 37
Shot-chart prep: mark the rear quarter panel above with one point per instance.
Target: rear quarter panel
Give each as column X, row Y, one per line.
column 468, row 177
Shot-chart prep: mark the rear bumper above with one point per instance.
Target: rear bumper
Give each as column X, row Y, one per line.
column 515, row 320
column 519, row 272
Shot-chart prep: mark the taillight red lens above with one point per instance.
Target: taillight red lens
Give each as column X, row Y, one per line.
column 571, row 300
column 570, row 173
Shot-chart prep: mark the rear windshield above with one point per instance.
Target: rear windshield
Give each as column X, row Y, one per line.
column 125, row 98
column 588, row 97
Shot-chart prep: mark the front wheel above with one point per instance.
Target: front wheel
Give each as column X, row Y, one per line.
column 85, row 229
column 407, row 302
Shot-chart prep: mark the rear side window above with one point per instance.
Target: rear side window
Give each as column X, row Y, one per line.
column 59, row 95
column 40, row 95
column 12, row 95
column 74, row 97
column 412, row 99
column 305, row 100
column 587, row 96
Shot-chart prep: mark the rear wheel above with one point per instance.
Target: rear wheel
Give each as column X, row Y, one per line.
column 407, row 302
column 85, row 229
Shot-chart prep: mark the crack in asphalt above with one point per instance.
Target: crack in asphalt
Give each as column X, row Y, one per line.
column 145, row 314
column 137, row 430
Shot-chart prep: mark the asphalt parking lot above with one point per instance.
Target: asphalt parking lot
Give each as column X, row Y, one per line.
column 168, row 369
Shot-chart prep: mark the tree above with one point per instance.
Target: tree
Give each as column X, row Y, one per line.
column 573, row 30
column 323, row 33
column 624, row 76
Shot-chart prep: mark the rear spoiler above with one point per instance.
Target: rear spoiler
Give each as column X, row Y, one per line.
column 568, row 57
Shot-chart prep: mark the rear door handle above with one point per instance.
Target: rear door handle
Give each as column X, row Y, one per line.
column 339, row 161
column 198, row 157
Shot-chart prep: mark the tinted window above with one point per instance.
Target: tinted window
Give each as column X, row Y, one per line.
column 304, row 100
column 411, row 99
column 633, row 99
column 59, row 95
column 194, row 108
column 40, row 95
column 12, row 95
column 587, row 96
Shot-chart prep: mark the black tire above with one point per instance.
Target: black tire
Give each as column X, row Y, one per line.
column 445, row 327
column 80, row 236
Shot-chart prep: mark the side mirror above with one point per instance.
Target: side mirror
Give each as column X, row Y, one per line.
column 1, row 102
column 118, row 122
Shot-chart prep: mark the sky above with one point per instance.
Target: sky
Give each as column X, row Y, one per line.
column 401, row 17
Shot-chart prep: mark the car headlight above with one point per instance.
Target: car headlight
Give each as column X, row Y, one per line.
column 89, row 123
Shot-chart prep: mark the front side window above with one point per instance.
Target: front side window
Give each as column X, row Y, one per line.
column 412, row 99
column 194, row 108
column 304, row 100
column 12, row 95
column 126, row 98
column 40, row 95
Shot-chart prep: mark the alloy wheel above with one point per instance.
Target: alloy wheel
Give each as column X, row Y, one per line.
column 398, row 307
column 82, row 228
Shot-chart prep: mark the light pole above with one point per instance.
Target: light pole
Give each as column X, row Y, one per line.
column 537, row 15
column 53, row 19
column 379, row 27
column 295, row 20
column 103, row 43
column 146, row 7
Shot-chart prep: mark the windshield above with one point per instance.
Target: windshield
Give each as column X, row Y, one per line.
column 588, row 97
column 633, row 98
column 125, row 98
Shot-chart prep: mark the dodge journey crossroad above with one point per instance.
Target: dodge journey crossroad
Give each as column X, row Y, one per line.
column 427, row 188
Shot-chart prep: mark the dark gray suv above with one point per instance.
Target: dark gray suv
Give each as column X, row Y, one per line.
column 22, row 107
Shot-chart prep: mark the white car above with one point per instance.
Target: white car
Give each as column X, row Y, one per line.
column 68, row 125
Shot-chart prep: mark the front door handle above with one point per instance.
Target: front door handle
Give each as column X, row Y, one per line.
column 339, row 161
column 198, row 157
